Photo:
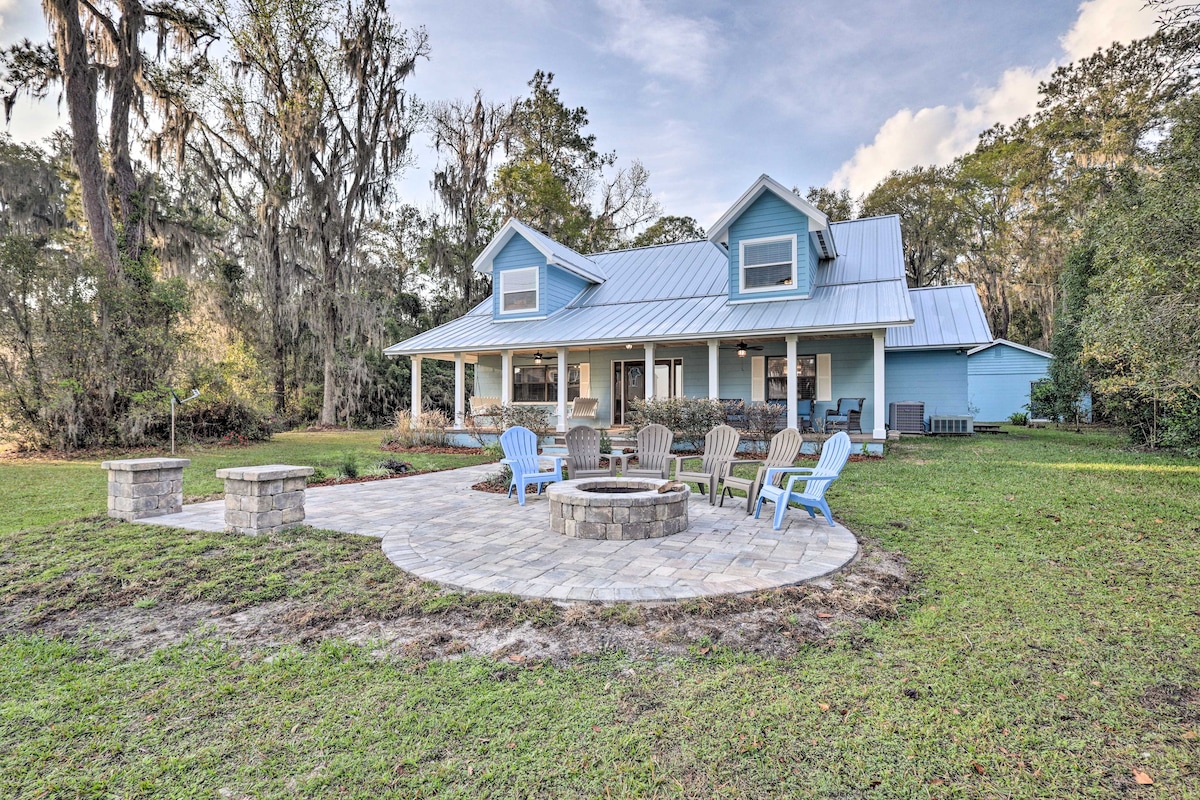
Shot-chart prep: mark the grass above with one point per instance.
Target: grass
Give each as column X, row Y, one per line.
column 1051, row 650
column 41, row 491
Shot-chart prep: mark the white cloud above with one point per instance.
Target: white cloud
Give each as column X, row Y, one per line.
column 940, row 134
column 662, row 43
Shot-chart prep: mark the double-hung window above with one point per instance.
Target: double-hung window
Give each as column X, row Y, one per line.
column 768, row 264
column 519, row 290
column 806, row 378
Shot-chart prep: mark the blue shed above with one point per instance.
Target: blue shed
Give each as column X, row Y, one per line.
column 1000, row 376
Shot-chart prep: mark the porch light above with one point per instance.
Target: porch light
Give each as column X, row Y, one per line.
column 537, row 357
column 741, row 349
column 629, row 347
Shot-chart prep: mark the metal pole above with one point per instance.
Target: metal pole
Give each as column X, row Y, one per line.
column 172, row 423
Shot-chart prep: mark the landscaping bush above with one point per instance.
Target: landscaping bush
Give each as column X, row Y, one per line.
column 431, row 429
column 762, row 422
column 394, row 466
column 1019, row 418
column 688, row 418
column 228, row 420
column 348, row 466
column 483, row 427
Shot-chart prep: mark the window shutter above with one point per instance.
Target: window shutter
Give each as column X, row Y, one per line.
column 824, row 378
column 585, row 380
column 758, row 378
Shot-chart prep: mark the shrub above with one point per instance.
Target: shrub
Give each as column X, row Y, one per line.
column 394, row 466
column 509, row 415
column 1019, row 418
column 227, row 420
column 688, row 418
column 348, row 465
column 431, row 429
column 763, row 421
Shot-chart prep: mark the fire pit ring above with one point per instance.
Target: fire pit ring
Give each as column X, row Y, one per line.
column 631, row 508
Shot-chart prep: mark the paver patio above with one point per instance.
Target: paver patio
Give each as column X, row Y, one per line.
column 438, row 528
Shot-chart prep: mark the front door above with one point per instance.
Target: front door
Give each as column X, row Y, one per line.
column 629, row 384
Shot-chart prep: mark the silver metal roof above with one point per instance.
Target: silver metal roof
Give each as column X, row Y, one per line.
column 681, row 291
column 946, row 316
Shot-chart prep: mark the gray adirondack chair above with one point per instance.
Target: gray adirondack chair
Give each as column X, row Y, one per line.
column 583, row 455
column 816, row 480
column 653, row 453
column 720, row 447
column 784, row 448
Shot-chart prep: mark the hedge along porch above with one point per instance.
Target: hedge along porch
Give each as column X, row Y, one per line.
column 812, row 301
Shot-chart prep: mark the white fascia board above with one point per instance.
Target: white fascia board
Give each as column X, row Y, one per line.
column 1026, row 348
column 765, row 183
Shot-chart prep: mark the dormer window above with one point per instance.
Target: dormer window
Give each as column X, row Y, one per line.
column 519, row 290
column 768, row 264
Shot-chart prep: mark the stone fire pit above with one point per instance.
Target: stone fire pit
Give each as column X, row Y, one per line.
column 616, row 508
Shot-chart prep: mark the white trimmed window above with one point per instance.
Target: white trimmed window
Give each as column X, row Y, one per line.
column 519, row 290
column 768, row 264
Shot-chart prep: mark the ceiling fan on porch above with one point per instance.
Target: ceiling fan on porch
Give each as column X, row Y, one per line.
column 742, row 348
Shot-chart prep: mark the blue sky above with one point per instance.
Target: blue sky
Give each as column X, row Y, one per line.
column 709, row 95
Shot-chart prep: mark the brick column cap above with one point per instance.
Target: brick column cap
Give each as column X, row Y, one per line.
column 267, row 472
column 142, row 464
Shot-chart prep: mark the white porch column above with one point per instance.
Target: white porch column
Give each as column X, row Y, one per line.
column 649, row 370
column 792, row 410
column 506, row 375
column 714, row 368
column 880, row 430
column 562, row 390
column 416, row 388
column 460, row 380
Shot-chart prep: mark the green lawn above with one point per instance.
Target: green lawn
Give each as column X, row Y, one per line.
column 41, row 491
column 1050, row 650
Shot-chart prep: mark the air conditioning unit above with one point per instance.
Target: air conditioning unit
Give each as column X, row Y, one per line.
column 907, row 417
column 962, row 425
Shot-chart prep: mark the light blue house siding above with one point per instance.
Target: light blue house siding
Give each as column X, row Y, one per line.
column 937, row 378
column 999, row 380
column 766, row 217
column 556, row 286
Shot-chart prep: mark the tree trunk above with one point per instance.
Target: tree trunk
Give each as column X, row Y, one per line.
column 80, row 88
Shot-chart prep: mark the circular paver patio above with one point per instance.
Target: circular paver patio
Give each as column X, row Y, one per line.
column 438, row 528
column 491, row 544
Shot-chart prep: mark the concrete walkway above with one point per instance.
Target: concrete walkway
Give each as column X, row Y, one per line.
column 438, row 528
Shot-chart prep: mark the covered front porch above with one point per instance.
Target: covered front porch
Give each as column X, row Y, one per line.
column 785, row 369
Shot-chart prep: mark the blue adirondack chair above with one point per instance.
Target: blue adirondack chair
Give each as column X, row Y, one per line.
column 816, row 480
column 521, row 455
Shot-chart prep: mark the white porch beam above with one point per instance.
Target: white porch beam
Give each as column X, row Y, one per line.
column 880, row 430
column 649, row 370
column 562, row 390
column 460, row 380
column 506, row 376
column 792, row 384
column 415, row 380
column 714, row 369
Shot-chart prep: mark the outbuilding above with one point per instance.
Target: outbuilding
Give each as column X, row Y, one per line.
column 1000, row 378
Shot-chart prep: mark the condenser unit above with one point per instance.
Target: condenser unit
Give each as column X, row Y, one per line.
column 907, row 417
column 962, row 425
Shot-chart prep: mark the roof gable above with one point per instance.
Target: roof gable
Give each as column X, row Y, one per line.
column 818, row 222
column 557, row 254
column 1022, row 347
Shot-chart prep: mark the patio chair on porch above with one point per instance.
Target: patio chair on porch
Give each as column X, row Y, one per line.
column 847, row 416
column 720, row 447
column 784, row 448
column 521, row 455
column 654, row 444
column 816, row 480
column 804, row 413
column 583, row 455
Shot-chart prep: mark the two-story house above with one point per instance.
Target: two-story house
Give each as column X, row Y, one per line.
column 777, row 304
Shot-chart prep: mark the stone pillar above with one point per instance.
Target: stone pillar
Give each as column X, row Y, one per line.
column 793, row 418
column 145, row 487
column 263, row 499
column 714, row 368
column 879, row 430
